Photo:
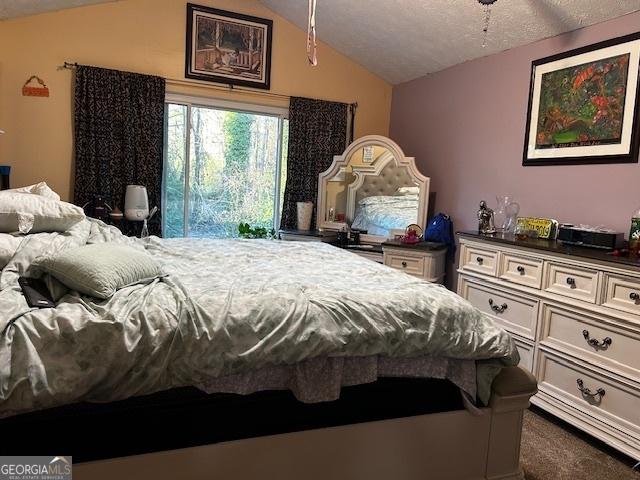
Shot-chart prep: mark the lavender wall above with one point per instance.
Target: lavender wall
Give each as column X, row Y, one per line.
column 465, row 126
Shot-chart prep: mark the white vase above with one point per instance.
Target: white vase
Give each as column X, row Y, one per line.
column 305, row 210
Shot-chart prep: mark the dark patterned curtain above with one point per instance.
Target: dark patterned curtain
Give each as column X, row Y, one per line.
column 119, row 119
column 317, row 132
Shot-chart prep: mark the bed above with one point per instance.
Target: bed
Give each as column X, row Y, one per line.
column 241, row 319
column 380, row 214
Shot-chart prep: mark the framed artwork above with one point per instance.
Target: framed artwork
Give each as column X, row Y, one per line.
column 227, row 47
column 583, row 106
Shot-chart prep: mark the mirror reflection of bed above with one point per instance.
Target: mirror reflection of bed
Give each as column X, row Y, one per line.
column 372, row 188
column 384, row 201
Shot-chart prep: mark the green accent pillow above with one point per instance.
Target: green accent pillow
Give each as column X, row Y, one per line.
column 100, row 269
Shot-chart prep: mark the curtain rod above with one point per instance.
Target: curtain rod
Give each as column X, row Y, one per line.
column 220, row 87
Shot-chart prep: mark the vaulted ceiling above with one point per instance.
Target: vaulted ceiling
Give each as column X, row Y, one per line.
column 404, row 39
column 400, row 40
column 21, row 8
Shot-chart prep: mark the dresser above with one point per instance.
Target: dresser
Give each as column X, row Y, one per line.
column 574, row 314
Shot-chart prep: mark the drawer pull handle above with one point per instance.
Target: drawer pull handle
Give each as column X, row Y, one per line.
column 497, row 308
column 571, row 282
column 606, row 341
column 480, row 260
column 588, row 393
column 520, row 269
column 635, row 296
column 404, row 264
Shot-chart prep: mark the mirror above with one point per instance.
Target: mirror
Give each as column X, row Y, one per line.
column 374, row 188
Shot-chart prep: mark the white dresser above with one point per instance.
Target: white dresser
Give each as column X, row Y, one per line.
column 575, row 316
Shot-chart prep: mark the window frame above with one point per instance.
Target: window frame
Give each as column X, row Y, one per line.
column 190, row 101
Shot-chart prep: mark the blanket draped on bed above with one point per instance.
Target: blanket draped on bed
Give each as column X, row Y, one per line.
column 229, row 308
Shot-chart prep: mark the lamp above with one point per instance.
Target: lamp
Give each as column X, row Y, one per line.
column 136, row 203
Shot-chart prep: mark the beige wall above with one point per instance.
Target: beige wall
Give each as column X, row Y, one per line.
column 146, row 36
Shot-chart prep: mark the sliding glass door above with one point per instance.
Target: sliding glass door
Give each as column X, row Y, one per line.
column 223, row 166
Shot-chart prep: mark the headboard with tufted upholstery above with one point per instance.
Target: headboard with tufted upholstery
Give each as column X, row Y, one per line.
column 386, row 182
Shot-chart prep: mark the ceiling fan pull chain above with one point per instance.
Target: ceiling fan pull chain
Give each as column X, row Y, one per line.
column 487, row 18
column 485, row 30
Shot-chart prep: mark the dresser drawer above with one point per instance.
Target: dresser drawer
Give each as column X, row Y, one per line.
column 616, row 404
column 479, row 259
column 622, row 293
column 522, row 270
column 570, row 281
column 515, row 313
column 590, row 337
column 413, row 265
column 526, row 354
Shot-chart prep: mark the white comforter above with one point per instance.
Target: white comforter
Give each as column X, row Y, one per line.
column 226, row 307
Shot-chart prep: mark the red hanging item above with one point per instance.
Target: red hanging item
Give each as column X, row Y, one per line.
column 37, row 91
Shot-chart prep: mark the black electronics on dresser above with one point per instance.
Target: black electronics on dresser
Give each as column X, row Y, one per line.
column 603, row 239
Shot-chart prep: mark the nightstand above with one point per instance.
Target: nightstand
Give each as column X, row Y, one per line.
column 308, row 235
column 425, row 260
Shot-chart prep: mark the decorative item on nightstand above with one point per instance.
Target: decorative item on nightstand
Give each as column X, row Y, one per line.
column 305, row 211
column 412, row 234
column 98, row 207
column 136, row 203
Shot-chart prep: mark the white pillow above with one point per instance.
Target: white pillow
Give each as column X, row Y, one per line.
column 27, row 213
column 41, row 189
column 408, row 191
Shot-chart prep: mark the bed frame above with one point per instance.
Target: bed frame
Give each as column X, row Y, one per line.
column 443, row 445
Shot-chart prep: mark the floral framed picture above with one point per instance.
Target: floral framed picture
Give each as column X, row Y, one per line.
column 583, row 106
column 227, row 47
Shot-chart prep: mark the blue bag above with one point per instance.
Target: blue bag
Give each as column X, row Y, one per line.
column 440, row 229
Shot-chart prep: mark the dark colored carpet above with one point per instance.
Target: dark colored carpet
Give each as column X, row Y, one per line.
column 552, row 449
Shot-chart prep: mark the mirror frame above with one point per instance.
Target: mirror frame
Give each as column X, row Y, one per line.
column 341, row 161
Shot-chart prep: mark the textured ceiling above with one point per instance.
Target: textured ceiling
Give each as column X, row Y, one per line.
column 400, row 40
column 21, row 8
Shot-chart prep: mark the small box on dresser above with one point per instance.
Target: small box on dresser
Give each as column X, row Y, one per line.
column 574, row 314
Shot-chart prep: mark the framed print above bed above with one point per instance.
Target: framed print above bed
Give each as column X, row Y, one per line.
column 227, row 47
column 583, row 105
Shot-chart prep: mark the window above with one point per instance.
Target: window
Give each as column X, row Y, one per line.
column 225, row 164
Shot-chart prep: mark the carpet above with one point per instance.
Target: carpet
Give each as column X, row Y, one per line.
column 552, row 449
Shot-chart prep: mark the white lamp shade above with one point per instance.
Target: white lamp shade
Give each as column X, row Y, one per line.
column 136, row 203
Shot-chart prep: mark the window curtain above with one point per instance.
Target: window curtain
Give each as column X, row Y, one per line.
column 119, row 130
column 317, row 132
